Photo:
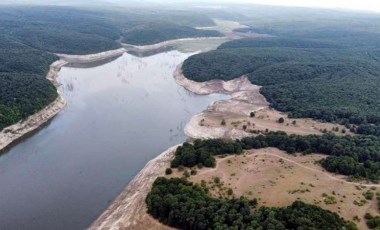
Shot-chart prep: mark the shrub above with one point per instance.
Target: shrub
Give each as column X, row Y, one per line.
column 168, row 171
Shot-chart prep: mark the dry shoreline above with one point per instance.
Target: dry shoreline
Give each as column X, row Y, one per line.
column 129, row 207
column 167, row 43
column 245, row 98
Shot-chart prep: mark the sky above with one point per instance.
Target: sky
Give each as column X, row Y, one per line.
column 370, row 5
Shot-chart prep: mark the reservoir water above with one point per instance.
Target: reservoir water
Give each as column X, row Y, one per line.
column 119, row 116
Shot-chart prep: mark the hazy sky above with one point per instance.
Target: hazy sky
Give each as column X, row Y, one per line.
column 372, row 5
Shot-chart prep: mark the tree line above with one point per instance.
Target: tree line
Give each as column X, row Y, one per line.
column 355, row 156
column 181, row 204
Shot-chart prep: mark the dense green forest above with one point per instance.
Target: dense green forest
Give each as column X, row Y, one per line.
column 30, row 34
column 181, row 204
column 323, row 80
column 358, row 156
column 23, row 86
column 82, row 31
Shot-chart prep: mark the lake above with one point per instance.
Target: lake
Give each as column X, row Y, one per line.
column 119, row 116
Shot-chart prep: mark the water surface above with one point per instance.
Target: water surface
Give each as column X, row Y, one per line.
column 119, row 116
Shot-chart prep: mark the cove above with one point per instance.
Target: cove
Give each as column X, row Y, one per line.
column 119, row 116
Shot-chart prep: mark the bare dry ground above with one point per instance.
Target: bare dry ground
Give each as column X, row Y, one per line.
column 265, row 119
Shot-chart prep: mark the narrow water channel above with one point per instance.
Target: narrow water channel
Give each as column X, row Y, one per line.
column 119, row 116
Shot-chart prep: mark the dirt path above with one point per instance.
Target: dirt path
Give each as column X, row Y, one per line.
column 320, row 171
column 330, row 175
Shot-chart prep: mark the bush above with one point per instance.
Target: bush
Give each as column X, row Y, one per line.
column 168, row 171
column 186, row 174
column 223, row 122
column 281, row 120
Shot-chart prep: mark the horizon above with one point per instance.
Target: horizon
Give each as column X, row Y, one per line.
column 350, row 5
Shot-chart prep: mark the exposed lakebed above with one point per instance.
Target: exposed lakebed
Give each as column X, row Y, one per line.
column 119, row 116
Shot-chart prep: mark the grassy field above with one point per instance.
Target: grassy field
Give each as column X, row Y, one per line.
column 277, row 179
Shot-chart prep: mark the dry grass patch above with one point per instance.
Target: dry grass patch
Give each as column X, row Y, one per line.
column 277, row 179
column 266, row 120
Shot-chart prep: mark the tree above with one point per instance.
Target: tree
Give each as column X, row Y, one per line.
column 281, row 120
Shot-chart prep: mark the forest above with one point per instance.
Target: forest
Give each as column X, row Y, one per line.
column 354, row 156
column 184, row 205
column 321, row 79
column 32, row 34
column 23, row 87
column 72, row 30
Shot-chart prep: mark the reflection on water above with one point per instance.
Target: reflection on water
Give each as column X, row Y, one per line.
column 119, row 116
